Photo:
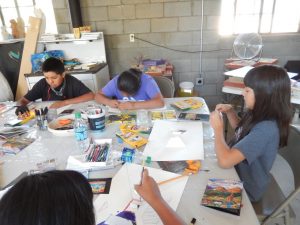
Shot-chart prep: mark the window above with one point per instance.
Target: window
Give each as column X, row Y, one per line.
column 13, row 9
column 262, row 16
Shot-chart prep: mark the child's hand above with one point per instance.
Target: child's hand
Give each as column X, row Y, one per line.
column 126, row 105
column 216, row 120
column 22, row 110
column 224, row 108
column 58, row 104
column 148, row 189
column 113, row 103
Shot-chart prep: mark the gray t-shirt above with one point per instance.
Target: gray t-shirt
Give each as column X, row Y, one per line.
column 259, row 148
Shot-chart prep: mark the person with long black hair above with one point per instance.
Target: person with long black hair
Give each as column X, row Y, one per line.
column 64, row 197
column 132, row 89
column 51, row 198
column 259, row 133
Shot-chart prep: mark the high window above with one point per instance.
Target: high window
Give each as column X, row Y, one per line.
column 259, row 16
column 13, row 9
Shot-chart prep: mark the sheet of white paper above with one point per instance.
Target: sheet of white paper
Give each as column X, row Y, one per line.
column 59, row 110
column 175, row 142
column 118, row 111
column 160, row 149
column 113, row 110
column 241, row 72
column 122, row 192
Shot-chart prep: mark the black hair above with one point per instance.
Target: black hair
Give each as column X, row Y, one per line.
column 129, row 81
column 53, row 65
column 50, row 198
column 272, row 90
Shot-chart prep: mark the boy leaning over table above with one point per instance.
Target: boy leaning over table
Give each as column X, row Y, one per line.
column 56, row 86
column 131, row 90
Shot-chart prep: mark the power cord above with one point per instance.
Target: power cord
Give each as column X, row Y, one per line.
column 177, row 50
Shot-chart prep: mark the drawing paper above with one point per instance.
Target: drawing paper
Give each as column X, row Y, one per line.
column 122, row 192
column 175, row 140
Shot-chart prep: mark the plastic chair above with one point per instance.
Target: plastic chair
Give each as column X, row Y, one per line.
column 274, row 204
column 166, row 86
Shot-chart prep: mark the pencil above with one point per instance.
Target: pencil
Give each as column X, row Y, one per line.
column 170, row 180
column 142, row 176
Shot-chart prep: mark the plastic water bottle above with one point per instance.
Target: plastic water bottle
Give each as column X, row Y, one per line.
column 133, row 156
column 80, row 129
column 139, row 158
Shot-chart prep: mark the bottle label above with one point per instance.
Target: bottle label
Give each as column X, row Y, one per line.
column 80, row 133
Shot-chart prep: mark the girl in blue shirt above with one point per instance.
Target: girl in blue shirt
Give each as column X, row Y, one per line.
column 261, row 130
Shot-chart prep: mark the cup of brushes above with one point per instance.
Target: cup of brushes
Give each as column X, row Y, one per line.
column 41, row 118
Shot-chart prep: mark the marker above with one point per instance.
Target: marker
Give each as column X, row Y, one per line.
column 193, row 221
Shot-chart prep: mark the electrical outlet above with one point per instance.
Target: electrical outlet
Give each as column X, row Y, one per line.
column 199, row 81
column 131, row 37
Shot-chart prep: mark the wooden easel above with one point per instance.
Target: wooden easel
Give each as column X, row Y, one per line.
column 30, row 44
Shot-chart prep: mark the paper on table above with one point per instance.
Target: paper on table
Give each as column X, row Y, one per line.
column 116, row 220
column 163, row 132
column 61, row 109
column 118, row 111
column 122, row 189
column 241, row 72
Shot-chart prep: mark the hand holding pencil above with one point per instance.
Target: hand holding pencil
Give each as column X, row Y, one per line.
column 216, row 120
column 149, row 191
column 148, row 188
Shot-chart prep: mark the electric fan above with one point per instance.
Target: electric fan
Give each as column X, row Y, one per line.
column 247, row 46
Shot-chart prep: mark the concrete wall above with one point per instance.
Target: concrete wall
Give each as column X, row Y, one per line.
column 174, row 24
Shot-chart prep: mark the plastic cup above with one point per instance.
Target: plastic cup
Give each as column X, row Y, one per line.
column 142, row 118
column 96, row 119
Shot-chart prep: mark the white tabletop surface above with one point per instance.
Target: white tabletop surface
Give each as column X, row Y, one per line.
column 48, row 146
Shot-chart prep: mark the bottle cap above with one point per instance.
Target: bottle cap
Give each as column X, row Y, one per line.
column 148, row 159
column 77, row 115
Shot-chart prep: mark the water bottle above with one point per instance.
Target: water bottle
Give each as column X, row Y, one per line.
column 138, row 157
column 80, row 129
column 130, row 155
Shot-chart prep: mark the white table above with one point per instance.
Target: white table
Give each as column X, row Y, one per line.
column 48, row 146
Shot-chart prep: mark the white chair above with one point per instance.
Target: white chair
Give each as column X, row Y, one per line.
column 274, row 204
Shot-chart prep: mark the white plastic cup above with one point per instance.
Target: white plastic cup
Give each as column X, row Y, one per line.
column 142, row 118
column 96, row 119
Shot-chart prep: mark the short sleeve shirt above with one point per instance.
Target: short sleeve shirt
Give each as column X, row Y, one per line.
column 259, row 148
column 147, row 91
column 74, row 88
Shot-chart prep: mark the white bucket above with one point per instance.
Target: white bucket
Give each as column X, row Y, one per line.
column 186, row 87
